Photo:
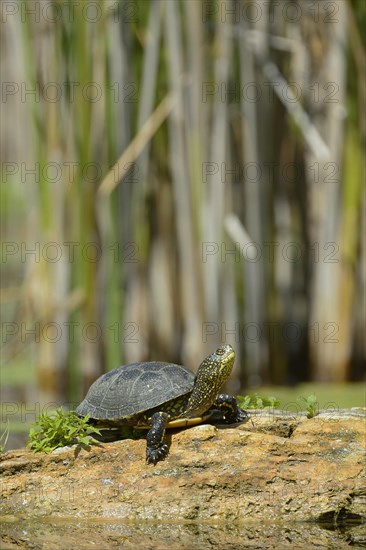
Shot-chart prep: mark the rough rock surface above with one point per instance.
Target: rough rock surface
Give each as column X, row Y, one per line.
column 276, row 469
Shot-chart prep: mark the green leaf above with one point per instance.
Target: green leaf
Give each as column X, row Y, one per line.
column 311, row 404
column 255, row 401
column 60, row 429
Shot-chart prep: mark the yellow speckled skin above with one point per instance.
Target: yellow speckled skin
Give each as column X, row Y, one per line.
column 211, row 375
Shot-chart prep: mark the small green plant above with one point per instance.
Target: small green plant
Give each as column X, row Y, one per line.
column 4, row 438
column 60, row 429
column 255, row 401
column 311, row 404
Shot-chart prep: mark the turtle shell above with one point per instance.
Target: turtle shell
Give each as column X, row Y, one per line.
column 134, row 389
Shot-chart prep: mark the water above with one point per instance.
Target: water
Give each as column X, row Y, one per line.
column 58, row 533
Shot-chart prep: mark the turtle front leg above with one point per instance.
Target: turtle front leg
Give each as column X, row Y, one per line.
column 229, row 409
column 156, row 449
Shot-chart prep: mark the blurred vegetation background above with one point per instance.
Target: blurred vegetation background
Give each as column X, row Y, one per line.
column 177, row 174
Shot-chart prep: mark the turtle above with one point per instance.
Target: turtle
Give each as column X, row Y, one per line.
column 157, row 395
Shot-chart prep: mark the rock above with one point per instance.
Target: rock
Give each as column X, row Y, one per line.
column 275, row 469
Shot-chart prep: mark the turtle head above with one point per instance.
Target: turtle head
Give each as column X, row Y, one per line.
column 211, row 375
column 218, row 366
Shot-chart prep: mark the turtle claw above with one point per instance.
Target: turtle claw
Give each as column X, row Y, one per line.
column 155, row 448
column 153, row 455
column 234, row 417
column 241, row 415
column 228, row 407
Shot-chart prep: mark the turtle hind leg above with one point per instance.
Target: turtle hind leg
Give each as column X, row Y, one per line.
column 156, row 448
column 228, row 407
